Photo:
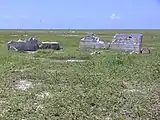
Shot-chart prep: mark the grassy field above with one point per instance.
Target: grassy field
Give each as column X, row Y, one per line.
column 107, row 86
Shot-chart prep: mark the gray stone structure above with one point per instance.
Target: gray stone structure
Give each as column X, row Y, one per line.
column 91, row 42
column 131, row 43
column 50, row 45
column 23, row 45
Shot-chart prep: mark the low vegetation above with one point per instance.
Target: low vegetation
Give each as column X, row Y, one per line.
column 107, row 86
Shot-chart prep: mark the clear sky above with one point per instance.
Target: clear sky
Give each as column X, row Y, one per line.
column 80, row 14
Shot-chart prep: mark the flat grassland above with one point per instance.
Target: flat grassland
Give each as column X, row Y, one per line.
column 107, row 86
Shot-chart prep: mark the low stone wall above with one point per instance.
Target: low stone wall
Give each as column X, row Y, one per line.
column 92, row 45
column 124, row 47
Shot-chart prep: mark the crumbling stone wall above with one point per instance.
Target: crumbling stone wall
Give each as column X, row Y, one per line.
column 126, row 42
column 23, row 45
column 91, row 42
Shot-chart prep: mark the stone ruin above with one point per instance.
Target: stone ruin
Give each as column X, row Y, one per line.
column 50, row 45
column 130, row 43
column 32, row 44
column 91, row 42
column 23, row 45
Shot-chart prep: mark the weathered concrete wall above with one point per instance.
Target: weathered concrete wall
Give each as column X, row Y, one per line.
column 50, row 45
column 122, row 42
column 91, row 42
column 92, row 45
column 126, row 42
column 125, row 47
column 26, row 45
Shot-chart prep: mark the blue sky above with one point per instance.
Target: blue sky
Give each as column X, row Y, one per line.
column 80, row 14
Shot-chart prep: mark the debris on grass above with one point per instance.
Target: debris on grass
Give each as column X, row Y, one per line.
column 2, row 102
column 96, row 74
column 126, row 85
column 21, row 70
column 22, row 85
column 39, row 107
column 132, row 90
column 75, row 60
column 44, row 95
column 95, row 52
column 108, row 118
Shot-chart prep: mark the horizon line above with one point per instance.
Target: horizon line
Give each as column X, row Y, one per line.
column 76, row 29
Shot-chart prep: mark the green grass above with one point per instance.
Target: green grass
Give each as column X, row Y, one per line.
column 111, row 85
